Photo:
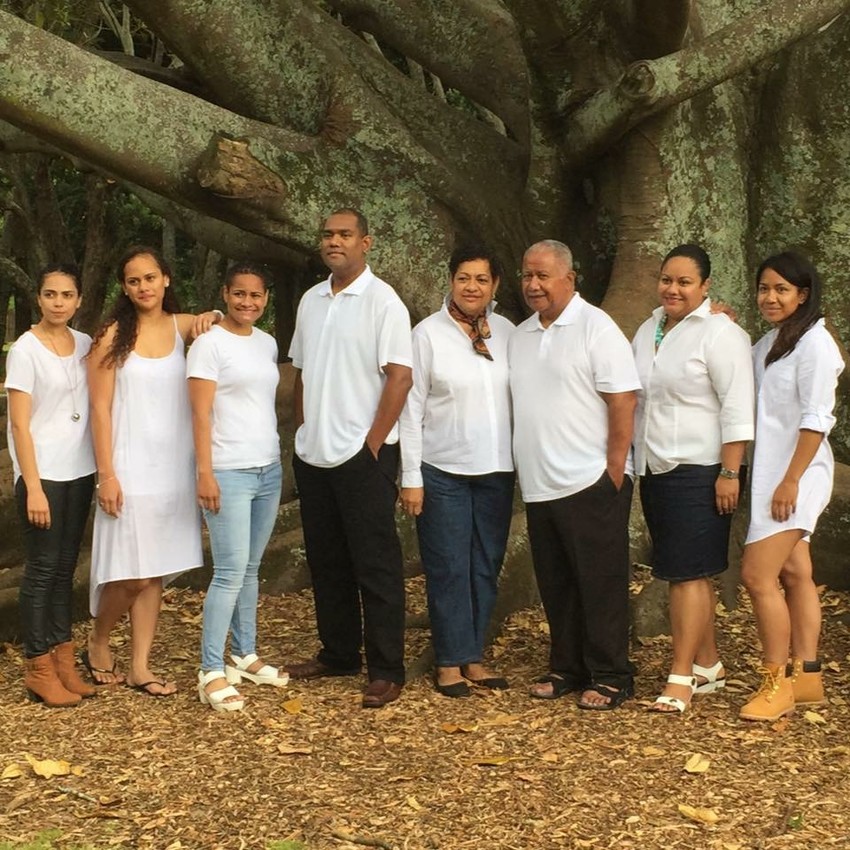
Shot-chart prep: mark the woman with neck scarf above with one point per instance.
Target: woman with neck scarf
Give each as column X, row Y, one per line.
column 457, row 470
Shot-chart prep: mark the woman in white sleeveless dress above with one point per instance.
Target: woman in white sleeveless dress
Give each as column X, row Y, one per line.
column 147, row 526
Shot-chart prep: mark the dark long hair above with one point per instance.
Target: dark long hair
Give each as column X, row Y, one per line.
column 123, row 314
column 67, row 269
column 800, row 272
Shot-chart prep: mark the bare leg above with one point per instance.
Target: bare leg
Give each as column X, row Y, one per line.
column 144, row 615
column 762, row 564
column 691, row 621
column 803, row 602
column 116, row 597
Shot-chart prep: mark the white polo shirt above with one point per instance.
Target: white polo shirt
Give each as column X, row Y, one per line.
column 697, row 390
column 341, row 344
column 560, row 420
column 458, row 414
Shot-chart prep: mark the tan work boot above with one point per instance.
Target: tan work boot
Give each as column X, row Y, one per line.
column 43, row 684
column 66, row 669
column 807, row 682
column 775, row 697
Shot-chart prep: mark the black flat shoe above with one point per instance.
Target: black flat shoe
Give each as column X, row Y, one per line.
column 455, row 689
column 492, row 683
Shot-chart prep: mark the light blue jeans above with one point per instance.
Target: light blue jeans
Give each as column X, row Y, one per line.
column 239, row 533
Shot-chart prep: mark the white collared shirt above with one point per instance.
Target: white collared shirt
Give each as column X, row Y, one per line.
column 560, row 419
column 458, row 414
column 341, row 344
column 697, row 390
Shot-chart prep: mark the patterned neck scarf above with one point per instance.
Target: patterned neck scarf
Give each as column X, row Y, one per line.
column 476, row 327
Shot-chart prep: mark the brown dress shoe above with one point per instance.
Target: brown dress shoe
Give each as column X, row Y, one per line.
column 315, row 669
column 380, row 692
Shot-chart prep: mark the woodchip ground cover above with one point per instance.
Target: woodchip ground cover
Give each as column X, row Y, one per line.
column 306, row 767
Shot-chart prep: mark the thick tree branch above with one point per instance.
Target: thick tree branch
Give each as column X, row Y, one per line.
column 224, row 238
column 647, row 88
column 653, row 28
column 472, row 45
column 19, row 280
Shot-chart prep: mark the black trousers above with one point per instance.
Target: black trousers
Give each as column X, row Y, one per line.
column 580, row 549
column 354, row 555
column 46, row 590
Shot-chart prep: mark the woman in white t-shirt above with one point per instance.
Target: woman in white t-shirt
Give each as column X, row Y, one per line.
column 797, row 365
column 457, row 469
column 53, row 464
column 233, row 375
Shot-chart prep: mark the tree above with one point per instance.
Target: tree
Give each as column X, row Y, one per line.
column 622, row 127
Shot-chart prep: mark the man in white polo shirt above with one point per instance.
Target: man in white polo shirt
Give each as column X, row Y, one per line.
column 352, row 350
column 573, row 383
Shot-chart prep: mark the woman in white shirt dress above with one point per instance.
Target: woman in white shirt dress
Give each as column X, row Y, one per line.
column 692, row 424
column 233, row 375
column 797, row 365
column 457, row 469
column 53, row 463
column 147, row 527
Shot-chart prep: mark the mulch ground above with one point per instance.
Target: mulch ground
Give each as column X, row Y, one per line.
column 306, row 765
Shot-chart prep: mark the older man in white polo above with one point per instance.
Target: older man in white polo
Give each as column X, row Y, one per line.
column 573, row 383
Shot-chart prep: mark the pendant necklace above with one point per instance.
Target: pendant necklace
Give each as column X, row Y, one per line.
column 72, row 384
column 659, row 330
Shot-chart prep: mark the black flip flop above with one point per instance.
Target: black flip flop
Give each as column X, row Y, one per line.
column 86, row 662
column 144, row 688
column 560, row 686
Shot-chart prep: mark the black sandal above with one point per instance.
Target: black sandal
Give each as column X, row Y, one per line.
column 616, row 697
column 560, row 686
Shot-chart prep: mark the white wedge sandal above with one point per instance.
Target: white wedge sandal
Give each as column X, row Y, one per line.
column 713, row 682
column 266, row 675
column 218, row 700
column 674, row 702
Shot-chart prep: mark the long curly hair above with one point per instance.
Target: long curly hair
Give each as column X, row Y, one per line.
column 800, row 272
column 123, row 314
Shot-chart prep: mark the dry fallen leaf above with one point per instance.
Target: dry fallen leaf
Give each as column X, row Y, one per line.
column 48, row 767
column 290, row 750
column 293, row 706
column 550, row 756
column 698, row 814
column 453, row 728
column 652, row 751
column 697, row 763
column 489, row 761
column 814, row 717
column 11, row 771
column 500, row 720
column 414, row 804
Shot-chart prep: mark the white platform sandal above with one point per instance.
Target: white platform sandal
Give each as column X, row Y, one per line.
column 218, row 700
column 266, row 675
column 713, row 682
column 674, row 702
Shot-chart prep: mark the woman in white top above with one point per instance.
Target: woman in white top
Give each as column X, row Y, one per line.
column 53, row 465
column 148, row 527
column 693, row 421
column 233, row 376
column 457, row 470
column 797, row 365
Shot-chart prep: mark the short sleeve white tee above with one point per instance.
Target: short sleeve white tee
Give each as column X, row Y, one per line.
column 560, row 419
column 341, row 344
column 244, row 421
column 59, row 392
column 458, row 414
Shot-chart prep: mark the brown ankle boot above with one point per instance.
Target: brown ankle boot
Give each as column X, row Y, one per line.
column 807, row 682
column 775, row 697
column 66, row 670
column 43, row 684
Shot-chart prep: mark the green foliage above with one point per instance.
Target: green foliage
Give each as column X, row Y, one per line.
column 283, row 845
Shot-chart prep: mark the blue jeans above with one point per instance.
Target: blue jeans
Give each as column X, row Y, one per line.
column 239, row 533
column 463, row 532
